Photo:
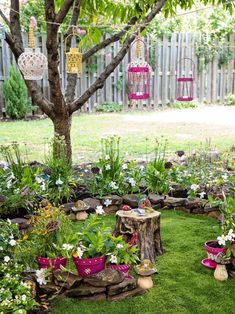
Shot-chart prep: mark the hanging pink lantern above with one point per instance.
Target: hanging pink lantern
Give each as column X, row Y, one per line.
column 184, row 81
column 139, row 74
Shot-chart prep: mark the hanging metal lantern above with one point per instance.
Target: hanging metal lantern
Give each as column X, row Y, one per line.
column 32, row 63
column 139, row 74
column 184, row 82
column 73, row 58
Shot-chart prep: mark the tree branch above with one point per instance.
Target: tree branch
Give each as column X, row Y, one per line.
column 5, row 19
column 99, row 83
column 15, row 42
column 109, row 40
column 63, row 11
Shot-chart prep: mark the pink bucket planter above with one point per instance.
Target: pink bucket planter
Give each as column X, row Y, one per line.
column 213, row 249
column 124, row 268
column 44, row 262
column 89, row 266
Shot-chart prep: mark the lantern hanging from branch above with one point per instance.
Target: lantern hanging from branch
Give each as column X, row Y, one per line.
column 139, row 73
column 32, row 62
column 185, row 79
column 73, row 58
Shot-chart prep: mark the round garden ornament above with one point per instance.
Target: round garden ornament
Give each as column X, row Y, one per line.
column 73, row 58
column 139, row 73
column 185, row 79
column 32, row 63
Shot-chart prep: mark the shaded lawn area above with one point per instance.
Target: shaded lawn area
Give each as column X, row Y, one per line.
column 182, row 285
column 185, row 129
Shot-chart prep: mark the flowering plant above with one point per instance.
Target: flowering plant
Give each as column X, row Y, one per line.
column 94, row 238
column 121, row 252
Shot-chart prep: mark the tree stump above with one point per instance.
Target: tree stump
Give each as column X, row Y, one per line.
column 147, row 229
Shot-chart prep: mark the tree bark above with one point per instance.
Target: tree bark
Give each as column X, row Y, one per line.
column 147, row 229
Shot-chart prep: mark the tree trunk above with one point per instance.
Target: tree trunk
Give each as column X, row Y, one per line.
column 147, row 229
column 62, row 127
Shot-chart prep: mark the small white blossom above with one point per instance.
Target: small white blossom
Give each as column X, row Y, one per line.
column 113, row 185
column 106, row 157
column 99, row 210
column 225, row 176
column 6, row 259
column 107, row 167
column 194, row 187
column 23, row 297
column 59, row 182
column 113, row 259
column 1, row 248
column 108, row 202
column 142, row 168
column 67, row 247
column 80, row 251
column 43, row 187
column 119, row 246
column 41, row 276
column 202, row 194
column 39, row 180
column 124, row 166
column 12, row 242
column 9, row 184
column 221, row 240
column 132, row 182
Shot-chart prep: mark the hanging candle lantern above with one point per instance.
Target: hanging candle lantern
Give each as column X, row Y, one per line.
column 185, row 82
column 32, row 63
column 139, row 74
column 73, row 58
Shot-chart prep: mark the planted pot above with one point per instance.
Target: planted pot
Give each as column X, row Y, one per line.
column 88, row 266
column 124, row 268
column 55, row 263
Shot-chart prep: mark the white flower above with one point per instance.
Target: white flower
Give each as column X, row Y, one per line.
column 107, row 167
column 202, row 194
column 119, row 246
column 12, row 242
column 59, row 182
column 1, row 248
column 80, row 252
column 221, row 240
column 124, row 166
column 23, row 297
column 9, row 184
column 225, row 176
column 142, row 168
column 5, row 168
column 107, row 202
column 195, row 187
column 113, row 185
column 6, row 259
column 67, row 247
column 113, row 259
column 43, row 187
column 132, row 182
column 39, row 180
column 106, row 157
column 11, row 177
column 41, row 276
column 99, row 210
column 231, row 234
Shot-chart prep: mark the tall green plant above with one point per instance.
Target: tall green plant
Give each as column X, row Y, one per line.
column 15, row 95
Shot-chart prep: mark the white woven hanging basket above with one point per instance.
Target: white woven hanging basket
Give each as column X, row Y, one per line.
column 32, row 64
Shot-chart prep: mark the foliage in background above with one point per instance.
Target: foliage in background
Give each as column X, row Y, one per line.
column 109, row 107
column 15, row 95
column 182, row 105
column 229, row 100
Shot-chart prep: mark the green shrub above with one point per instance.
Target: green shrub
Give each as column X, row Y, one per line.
column 230, row 100
column 16, row 96
column 182, row 105
column 109, row 107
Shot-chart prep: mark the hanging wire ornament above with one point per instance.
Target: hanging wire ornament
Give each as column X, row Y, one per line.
column 139, row 73
column 73, row 57
column 32, row 63
column 184, row 81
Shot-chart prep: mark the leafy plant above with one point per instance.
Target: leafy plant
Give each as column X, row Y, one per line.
column 230, row 100
column 16, row 95
column 182, row 105
column 109, row 107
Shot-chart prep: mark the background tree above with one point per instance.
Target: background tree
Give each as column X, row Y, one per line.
column 133, row 17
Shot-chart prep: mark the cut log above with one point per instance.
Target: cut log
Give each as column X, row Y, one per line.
column 148, row 232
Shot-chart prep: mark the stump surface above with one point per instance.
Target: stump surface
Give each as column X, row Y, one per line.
column 148, row 232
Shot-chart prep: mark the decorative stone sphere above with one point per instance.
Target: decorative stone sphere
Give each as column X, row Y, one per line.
column 32, row 64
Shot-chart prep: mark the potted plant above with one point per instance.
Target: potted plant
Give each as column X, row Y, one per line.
column 94, row 243
column 49, row 241
column 121, row 255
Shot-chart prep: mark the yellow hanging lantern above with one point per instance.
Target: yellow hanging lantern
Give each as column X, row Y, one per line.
column 73, row 59
column 32, row 62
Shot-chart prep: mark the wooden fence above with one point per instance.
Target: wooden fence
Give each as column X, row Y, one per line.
column 211, row 85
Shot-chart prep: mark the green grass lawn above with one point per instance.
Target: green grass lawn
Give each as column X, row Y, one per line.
column 182, row 285
column 133, row 128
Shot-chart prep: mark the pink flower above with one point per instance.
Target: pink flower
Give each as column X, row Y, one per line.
column 108, row 55
column 23, row 2
column 33, row 22
column 81, row 32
